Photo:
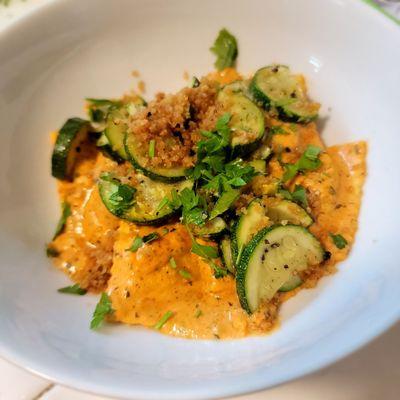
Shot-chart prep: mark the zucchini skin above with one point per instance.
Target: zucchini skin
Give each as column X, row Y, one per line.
column 61, row 163
column 241, row 268
column 150, row 174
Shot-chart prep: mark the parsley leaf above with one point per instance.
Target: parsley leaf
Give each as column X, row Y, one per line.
column 226, row 49
column 298, row 195
column 152, row 148
column 227, row 198
column 103, row 308
column 278, row 130
column 121, row 196
column 65, row 213
column 172, row 263
column 218, row 271
column 339, row 241
column 162, row 321
column 140, row 241
column 74, row 289
column 207, row 252
column 308, row 161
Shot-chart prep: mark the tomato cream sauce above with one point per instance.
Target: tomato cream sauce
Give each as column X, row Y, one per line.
column 143, row 285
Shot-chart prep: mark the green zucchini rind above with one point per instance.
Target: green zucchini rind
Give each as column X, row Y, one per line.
column 66, row 148
column 274, row 86
column 270, row 259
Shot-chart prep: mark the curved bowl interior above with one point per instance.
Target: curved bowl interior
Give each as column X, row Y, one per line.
column 70, row 50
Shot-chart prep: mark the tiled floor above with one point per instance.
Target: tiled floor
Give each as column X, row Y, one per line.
column 372, row 373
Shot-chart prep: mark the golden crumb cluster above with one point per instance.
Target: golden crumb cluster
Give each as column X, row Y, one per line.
column 173, row 122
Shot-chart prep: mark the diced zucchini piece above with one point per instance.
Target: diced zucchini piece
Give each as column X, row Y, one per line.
column 275, row 86
column 226, row 252
column 270, row 259
column 247, row 122
column 139, row 203
column 65, row 151
column 281, row 211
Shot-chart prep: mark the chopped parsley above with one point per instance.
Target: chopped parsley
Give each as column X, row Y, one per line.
column 308, row 161
column 162, row 321
column 278, row 130
column 138, row 242
column 226, row 49
column 339, row 241
column 198, row 313
column 298, row 195
column 152, row 148
column 103, row 308
column 204, row 251
column 172, row 263
column 186, row 274
column 227, row 198
column 194, row 83
column 65, row 213
column 74, row 289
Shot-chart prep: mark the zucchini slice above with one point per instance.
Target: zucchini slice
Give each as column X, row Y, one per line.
column 98, row 110
column 66, row 148
column 246, row 227
column 292, row 283
column 247, row 122
column 279, row 211
column 275, row 86
column 138, row 156
column 211, row 229
column 270, row 259
column 116, row 125
column 138, row 203
column 226, row 253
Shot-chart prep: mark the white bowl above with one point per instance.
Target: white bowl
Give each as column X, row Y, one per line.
column 65, row 51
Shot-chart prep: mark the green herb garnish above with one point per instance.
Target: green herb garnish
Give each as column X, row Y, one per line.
column 227, row 198
column 298, row 195
column 152, row 148
column 194, row 83
column 74, row 289
column 226, row 49
column 308, row 161
column 161, row 322
column 140, row 241
column 198, row 313
column 204, row 251
column 172, row 263
column 339, row 241
column 278, row 130
column 186, row 274
column 65, row 213
column 103, row 308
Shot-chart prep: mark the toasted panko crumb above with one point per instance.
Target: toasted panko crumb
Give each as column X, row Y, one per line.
column 174, row 121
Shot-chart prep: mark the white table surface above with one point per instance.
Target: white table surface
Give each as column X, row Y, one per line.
column 372, row 373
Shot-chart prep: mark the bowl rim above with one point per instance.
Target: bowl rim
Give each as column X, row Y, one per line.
column 343, row 349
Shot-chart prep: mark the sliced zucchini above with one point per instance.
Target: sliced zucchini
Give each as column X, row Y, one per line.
column 247, row 122
column 263, row 152
column 259, row 165
column 105, row 147
column 279, row 211
column 211, row 229
column 292, row 283
column 138, row 203
column 226, row 252
column 270, row 259
column 116, row 127
column 275, row 86
column 246, row 227
column 66, row 148
column 138, row 155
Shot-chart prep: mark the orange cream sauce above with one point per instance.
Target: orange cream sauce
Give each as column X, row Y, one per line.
column 143, row 285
